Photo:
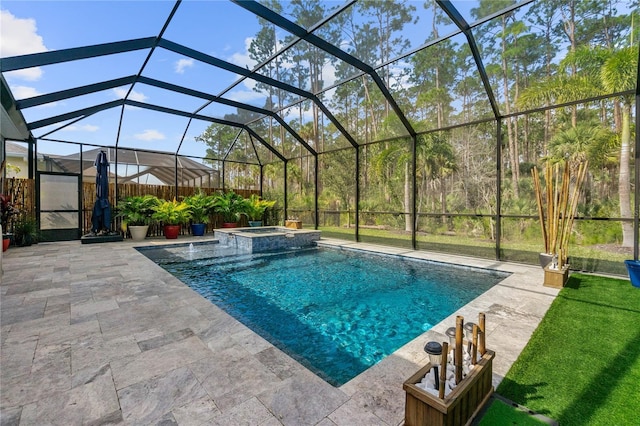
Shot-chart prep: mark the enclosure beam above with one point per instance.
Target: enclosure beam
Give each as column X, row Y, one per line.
column 315, row 200
column 276, row 19
column 498, row 185
column 286, row 207
column 85, row 112
column 357, row 218
column 14, row 63
column 636, row 202
column 457, row 18
column 414, row 195
column 76, row 91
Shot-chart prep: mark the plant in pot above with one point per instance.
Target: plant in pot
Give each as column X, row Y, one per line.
column 231, row 207
column 201, row 206
column 173, row 215
column 7, row 212
column 25, row 231
column 255, row 208
column 137, row 214
column 557, row 206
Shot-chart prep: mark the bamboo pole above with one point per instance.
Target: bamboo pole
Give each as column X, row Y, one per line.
column 482, row 343
column 538, row 190
column 474, row 345
column 458, row 351
column 443, row 369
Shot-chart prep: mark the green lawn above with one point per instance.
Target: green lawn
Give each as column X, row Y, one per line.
column 582, row 364
column 585, row 258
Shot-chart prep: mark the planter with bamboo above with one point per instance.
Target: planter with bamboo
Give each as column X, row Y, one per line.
column 557, row 205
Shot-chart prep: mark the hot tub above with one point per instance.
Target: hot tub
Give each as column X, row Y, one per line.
column 266, row 238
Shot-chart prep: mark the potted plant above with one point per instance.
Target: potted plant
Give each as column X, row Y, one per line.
column 200, row 206
column 172, row 214
column 25, row 231
column 255, row 208
column 137, row 214
column 7, row 211
column 231, row 207
column 557, row 205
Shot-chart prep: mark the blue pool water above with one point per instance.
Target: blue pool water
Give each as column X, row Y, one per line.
column 338, row 312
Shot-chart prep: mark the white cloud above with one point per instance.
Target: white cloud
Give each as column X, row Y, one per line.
column 246, row 96
column 23, row 92
column 121, row 92
column 182, row 64
column 149, row 135
column 83, row 128
column 20, row 37
column 242, row 58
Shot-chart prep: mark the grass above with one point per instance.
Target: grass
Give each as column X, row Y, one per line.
column 501, row 413
column 582, row 364
column 586, row 258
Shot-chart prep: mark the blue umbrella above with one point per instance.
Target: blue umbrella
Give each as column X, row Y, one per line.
column 101, row 218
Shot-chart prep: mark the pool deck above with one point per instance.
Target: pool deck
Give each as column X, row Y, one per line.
column 98, row 334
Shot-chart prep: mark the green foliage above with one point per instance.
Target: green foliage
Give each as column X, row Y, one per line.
column 581, row 365
column 25, row 231
column 255, row 207
column 200, row 206
column 172, row 212
column 137, row 210
column 230, row 206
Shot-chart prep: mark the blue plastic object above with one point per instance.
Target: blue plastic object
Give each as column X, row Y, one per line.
column 633, row 268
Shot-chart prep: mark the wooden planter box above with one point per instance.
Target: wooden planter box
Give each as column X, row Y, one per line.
column 556, row 278
column 457, row 408
column 293, row 224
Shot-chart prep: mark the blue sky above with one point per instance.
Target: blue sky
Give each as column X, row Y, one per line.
column 34, row 26
column 215, row 27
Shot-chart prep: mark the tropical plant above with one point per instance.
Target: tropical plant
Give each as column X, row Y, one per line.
column 25, row 231
column 7, row 211
column 255, row 207
column 138, row 210
column 201, row 206
column 172, row 212
column 230, row 206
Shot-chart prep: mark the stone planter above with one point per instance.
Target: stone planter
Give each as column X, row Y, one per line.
column 138, row 232
column 457, row 408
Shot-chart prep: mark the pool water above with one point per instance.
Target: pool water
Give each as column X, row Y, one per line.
column 336, row 311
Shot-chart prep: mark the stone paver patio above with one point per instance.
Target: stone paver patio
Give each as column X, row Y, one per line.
column 98, row 334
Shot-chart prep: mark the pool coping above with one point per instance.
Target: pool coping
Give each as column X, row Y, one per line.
column 137, row 331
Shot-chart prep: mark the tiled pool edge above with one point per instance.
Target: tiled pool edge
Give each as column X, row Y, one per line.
column 514, row 308
column 374, row 397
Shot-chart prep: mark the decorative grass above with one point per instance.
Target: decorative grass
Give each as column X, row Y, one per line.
column 582, row 364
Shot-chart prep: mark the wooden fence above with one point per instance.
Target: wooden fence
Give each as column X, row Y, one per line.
column 22, row 193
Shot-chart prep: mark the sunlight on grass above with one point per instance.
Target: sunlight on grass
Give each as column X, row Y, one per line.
column 582, row 364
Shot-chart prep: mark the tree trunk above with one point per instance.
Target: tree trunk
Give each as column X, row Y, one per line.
column 624, row 182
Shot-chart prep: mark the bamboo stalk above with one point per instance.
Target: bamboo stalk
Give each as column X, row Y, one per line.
column 474, row 345
column 538, row 190
column 458, row 351
column 482, row 344
column 582, row 171
column 443, row 369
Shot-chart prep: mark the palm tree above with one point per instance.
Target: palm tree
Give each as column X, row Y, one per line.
column 619, row 73
column 606, row 71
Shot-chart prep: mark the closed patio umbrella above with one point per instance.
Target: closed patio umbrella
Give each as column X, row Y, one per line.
column 101, row 217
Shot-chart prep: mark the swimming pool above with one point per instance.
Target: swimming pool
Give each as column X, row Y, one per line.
column 336, row 311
